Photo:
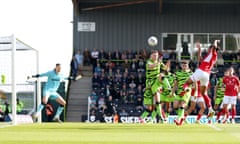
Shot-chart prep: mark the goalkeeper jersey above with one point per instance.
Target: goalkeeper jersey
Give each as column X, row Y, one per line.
column 53, row 80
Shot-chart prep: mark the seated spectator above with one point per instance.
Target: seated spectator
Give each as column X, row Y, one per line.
column 141, row 66
column 123, row 97
column 139, row 104
column 118, row 76
column 95, row 81
column 133, row 65
column 139, row 91
column 140, row 80
column 101, row 103
column 98, row 69
column 110, row 65
column 125, row 78
column 126, row 64
column 123, row 112
column 124, row 89
column 103, row 81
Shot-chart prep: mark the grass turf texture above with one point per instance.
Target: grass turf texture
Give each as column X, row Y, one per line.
column 90, row 133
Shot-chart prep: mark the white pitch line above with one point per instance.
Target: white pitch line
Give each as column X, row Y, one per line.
column 214, row 127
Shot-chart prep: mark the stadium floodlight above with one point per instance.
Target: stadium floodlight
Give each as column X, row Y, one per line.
column 17, row 60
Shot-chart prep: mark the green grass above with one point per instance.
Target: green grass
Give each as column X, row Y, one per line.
column 89, row 133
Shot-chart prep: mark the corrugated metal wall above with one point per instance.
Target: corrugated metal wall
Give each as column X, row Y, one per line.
column 129, row 27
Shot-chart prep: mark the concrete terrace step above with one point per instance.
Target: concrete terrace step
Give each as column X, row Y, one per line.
column 78, row 96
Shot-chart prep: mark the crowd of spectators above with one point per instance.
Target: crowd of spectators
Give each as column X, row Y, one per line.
column 118, row 80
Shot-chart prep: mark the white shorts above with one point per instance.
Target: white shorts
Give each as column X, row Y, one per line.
column 200, row 75
column 197, row 99
column 229, row 100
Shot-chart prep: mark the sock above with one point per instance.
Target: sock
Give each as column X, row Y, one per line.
column 233, row 113
column 163, row 114
column 207, row 101
column 159, row 111
column 185, row 116
column 40, row 108
column 145, row 114
column 153, row 115
column 199, row 117
column 167, row 114
column 59, row 111
column 227, row 115
column 219, row 114
column 180, row 112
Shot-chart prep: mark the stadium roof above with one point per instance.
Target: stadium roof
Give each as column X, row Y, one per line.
column 89, row 5
column 6, row 44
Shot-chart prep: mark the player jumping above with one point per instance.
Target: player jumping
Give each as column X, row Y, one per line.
column 203, row 72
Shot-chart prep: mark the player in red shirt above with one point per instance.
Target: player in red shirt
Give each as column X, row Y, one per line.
column 232, row 85
column 202, row 73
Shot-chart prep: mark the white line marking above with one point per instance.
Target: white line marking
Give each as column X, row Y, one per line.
column 214, row 127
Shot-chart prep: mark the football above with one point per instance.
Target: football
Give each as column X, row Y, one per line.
column 152, row 41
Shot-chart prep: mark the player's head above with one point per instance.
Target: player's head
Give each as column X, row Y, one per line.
column 58, row 68
column 215, row 45
column 231, row 71
column 154, row 55
column 226, row 73
column 184, row 65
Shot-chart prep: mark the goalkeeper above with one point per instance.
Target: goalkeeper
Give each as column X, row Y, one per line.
column 50, row 91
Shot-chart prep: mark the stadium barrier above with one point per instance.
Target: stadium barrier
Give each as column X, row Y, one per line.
column 134, row 119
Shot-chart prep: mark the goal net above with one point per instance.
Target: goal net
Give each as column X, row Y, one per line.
column 17, row 95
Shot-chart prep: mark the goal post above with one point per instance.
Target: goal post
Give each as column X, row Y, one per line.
column 17, row 61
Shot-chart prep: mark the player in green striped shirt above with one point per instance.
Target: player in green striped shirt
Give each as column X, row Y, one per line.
column 182, row 98
column 218, row 96
column 153, row 86
column 167, row 95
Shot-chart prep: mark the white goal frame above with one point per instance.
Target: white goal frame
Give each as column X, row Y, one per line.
column 11, row 43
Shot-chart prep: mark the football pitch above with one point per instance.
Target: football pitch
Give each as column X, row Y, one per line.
column 96, row 133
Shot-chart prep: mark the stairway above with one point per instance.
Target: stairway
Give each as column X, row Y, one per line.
column 78, row 96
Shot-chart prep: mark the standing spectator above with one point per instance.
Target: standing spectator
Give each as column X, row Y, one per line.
column 79, row 58
column 116, row 55
column 20, row 106
column 144, row 54
column 102, row 55
column 86, row 57
column 74, row 67
column 109, row 106
column 94, row 57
